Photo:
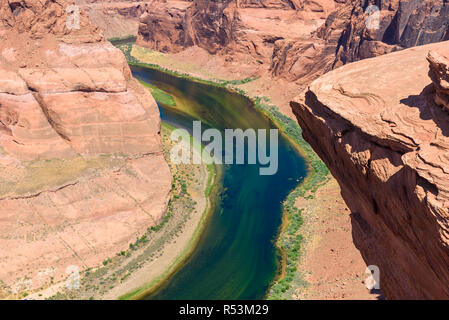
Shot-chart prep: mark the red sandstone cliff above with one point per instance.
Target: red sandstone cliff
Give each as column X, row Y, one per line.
column 345, row 36
column 81, row 167
column 229, row 27
column 439, row 73
column 117, row 18
column 297, row 40
column 377, row 127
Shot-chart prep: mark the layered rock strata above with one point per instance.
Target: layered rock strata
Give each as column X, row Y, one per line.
column 82, row 172
column 229, row 27
column 377, row 127
column 439, row 73
column 291, row 37
column 358, row 30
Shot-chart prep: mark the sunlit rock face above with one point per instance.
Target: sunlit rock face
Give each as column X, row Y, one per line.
column 379, row 126
column 117, row 18
column 244, row 28
column 81, row 168
column 298, row 40
column 439, row 73
column 362, row 29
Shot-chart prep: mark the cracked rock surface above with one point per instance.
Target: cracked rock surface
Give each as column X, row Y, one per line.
column 376, row 125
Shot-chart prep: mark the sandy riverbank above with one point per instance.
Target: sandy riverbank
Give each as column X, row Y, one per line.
column 197, row 178
column 331, row 265
column 155, row 254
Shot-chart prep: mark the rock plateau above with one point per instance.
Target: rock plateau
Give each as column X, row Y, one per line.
column 377, row 127
column 82, row 172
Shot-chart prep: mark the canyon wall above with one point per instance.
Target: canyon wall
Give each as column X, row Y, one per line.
column 381, row 127
column 81, row 165
column 296, row 40
column 362, row 29
column 117, row 18
column 233, row 28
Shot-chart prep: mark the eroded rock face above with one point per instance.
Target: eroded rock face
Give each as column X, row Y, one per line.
column 291, row 37
column 229, row 27
column 162, row 28
column 358, row 30
column 81, row 168
column 376, row 126
column 117, row 18
column 439, row 73
column 402, row 24
column 41, row 18
column 278, row 4
column 297, row 40
column 171, row 26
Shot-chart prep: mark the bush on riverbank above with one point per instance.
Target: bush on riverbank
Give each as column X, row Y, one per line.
column 159, row 95
column 289, row 239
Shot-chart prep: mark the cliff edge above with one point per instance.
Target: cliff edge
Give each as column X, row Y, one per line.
column 377, row 126
column 82, row 172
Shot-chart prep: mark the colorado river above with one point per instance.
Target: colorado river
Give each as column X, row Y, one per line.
column 236, row 256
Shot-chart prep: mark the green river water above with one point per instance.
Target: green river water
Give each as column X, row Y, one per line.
column 236, row 256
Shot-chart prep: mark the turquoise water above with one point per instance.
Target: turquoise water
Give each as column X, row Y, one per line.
column 236, row 256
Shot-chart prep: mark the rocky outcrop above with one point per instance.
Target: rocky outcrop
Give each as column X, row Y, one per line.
column 305, row 59
column 175, row 25
column 117, row 18
column 439, row 73
column 290, row 36
column 162, row 28
column 81, row 168
column 400, row 24
column 376, row 126
column 359, row 30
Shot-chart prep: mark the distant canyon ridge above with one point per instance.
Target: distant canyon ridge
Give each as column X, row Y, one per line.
column 297, row 40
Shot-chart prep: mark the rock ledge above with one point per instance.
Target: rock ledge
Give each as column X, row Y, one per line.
column 377, row 127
